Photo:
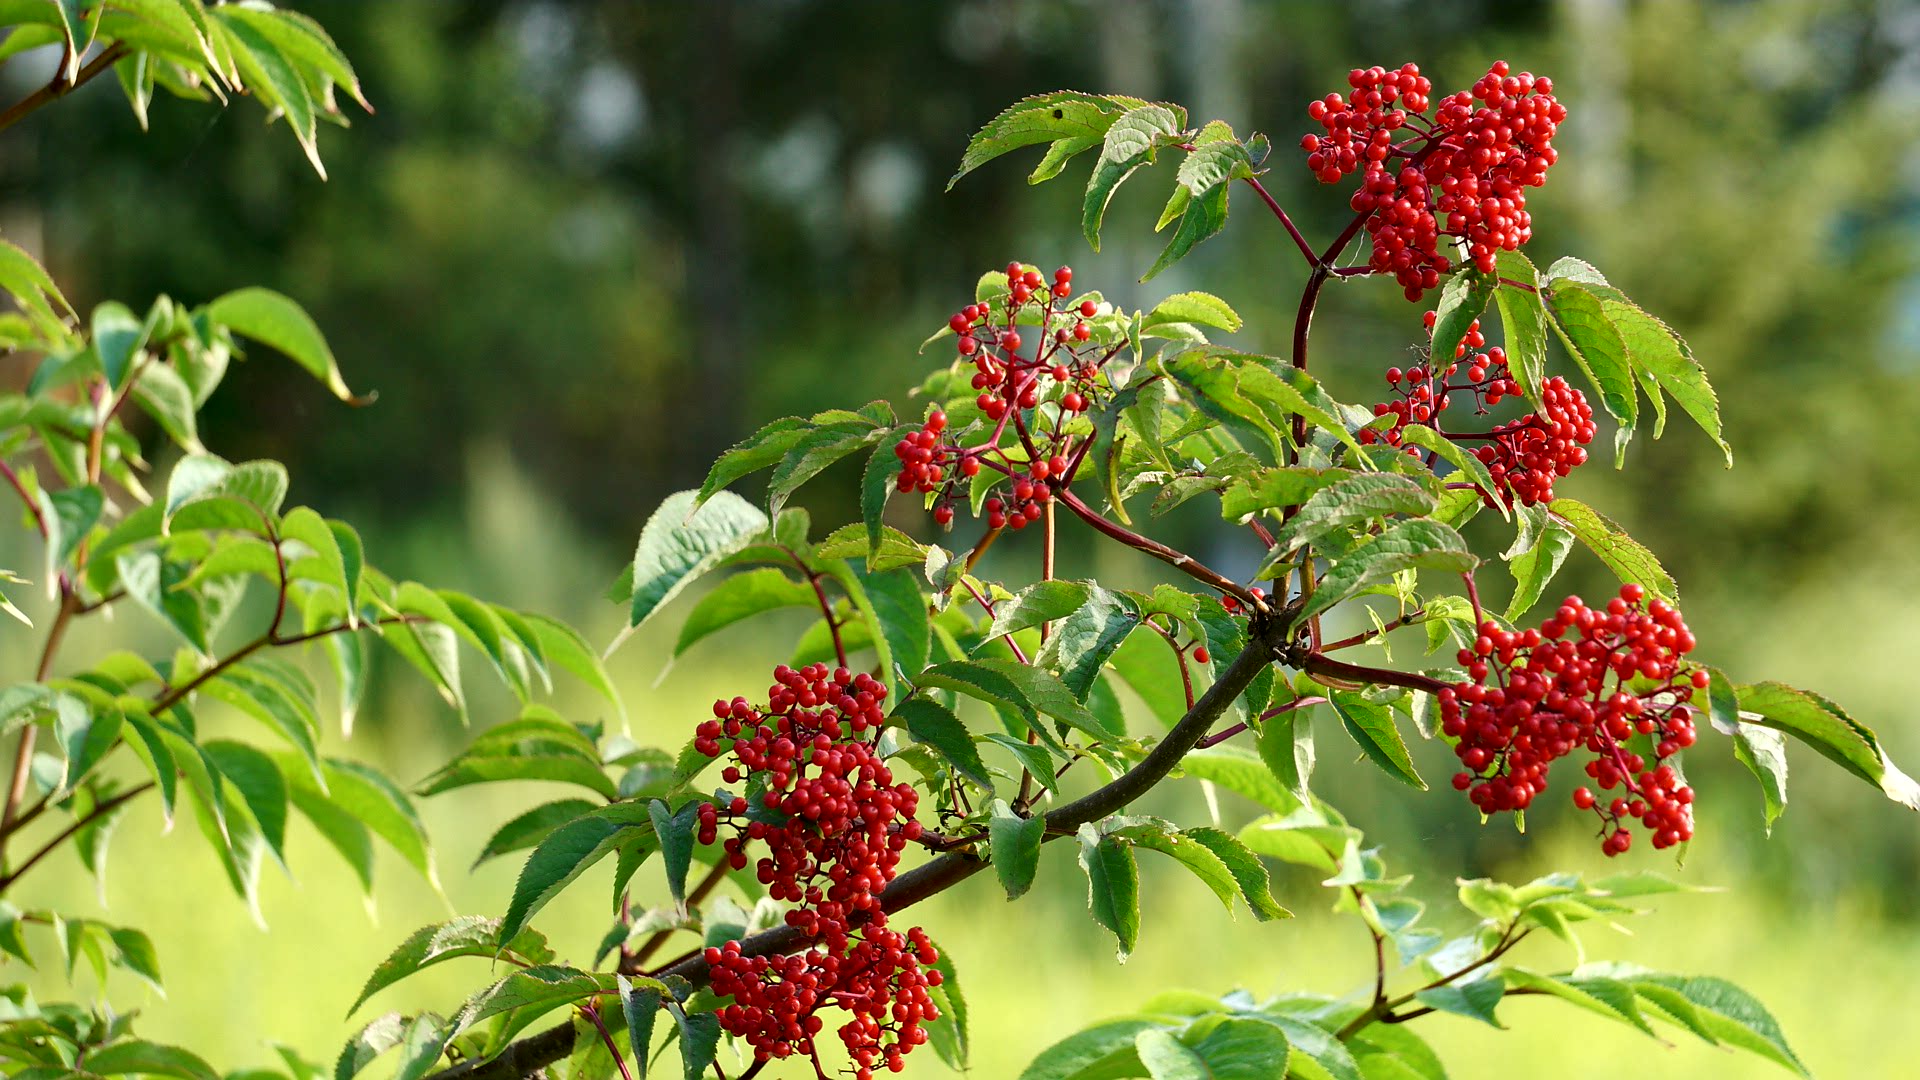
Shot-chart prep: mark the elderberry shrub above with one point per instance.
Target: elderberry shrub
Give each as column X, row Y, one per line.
column 1062, row 370
column 1481, row 149
column 834, row 824
column 1608, row 680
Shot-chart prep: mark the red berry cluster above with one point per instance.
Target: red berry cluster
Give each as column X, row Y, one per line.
column 1463, row 173
column 1592, row 678
column 1063, row 370
column 1524, row 456
column 834, row 823
column 1527, row 454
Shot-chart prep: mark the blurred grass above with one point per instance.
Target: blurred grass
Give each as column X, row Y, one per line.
column 1799, row 928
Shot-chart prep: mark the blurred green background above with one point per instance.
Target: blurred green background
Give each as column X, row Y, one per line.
column 582, row 247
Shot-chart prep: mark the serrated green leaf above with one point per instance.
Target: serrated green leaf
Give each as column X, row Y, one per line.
column 567, row 853
column 1372, row 727
column 1043, row 118
column 742, row 596
column 468, row 935
column 1827, row 728
column 933, row 724
column 1131, row 141
column 1534, row 568
column 1015, row 847
column 1405, row 545
column 1626, row 557
column 1113, row 885
column 680, row 542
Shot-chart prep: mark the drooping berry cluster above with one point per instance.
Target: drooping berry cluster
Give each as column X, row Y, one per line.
column 1463, row 173
column 1523, row 456
column 1589, row 678
column 1034, row 394
column 834, row 824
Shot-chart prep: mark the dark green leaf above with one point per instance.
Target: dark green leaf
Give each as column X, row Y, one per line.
column 1015, row 847
column 1113, row 885
column 468, row 935
column 565, row 854
column 1084, row 639
column 935, row 725
column 740, row 597
column 680, row 542
column 1371, row 725
column 674, row 832
column 532, row 827
column 276, row 320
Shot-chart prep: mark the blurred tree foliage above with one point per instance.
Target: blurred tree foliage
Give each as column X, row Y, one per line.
column 528, row 245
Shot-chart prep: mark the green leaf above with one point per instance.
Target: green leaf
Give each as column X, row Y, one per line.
column 876, row 486
column 1202, row 218
column 1015, row 847
column 567, row 853
column 1596, row 348
column 1360, row 498
column 261, row 785
column 813, row 452
column 1113, row 885
column 1157, row 835
column 740, row 597
column 1371, row 725
column 1235, row 1048
column 1535, row 568
column 1061, row 115
column 422, row 1046
column 949, row 1034
column 761, row 450
column 674, row 832
column 699, row 1042
column 118, row 337
column 1249, row 873
column 1240, row 771
column 1406, row 545
column 530, row 828
column 1475, row 470
column 1104, row 1050
column 23, row 278
column 468, row 935
column 680, row 542
column 1610, row 998
column 1167, row 1058
column 1270, row 490
column 1523, row 320
column 166, row 397
column 1723, row 1013
column 1462, row 299
column 1034, row 759
column 305, row 44
column 935, row 725
column 1028, row 691
column 1040, row 602
column 1762, row 750
column 899, row 610
column 1630, row 562
column 1133, row 140
column 1084, row 639
column 137, row 1057
column 565, row 647
column 1475, row 999
column 1657, row 350
column 1202, row 308
column 277, row 321
column 1827, row 728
